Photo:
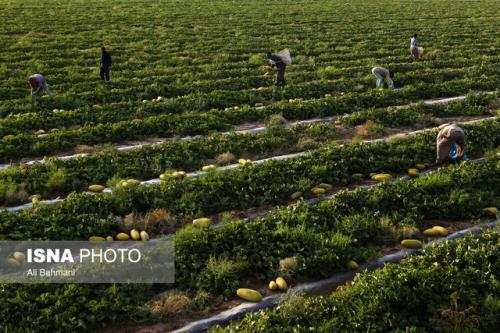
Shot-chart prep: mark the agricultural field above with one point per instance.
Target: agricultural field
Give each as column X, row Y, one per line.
column 261, row 187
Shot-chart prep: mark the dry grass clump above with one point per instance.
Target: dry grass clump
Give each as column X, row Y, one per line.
column 170, row 304
column 160, row 221
column 84, row 149
column 13, row 196
column 288, row 266
column 276, row 120
column 225, row 159
column 368, row 130
column 306, row 143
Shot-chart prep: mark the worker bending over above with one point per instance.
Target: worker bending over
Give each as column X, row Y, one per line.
column 383, row 77
column 450, row 144
column 275, row 60
column 38, row 85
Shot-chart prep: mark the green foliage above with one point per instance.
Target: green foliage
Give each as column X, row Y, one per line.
column 260, row 184
column 451, row 287
column 221, row 276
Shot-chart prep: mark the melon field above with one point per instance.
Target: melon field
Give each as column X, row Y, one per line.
column 264, row 189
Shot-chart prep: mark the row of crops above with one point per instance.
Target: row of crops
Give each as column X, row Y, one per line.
column 81, row 215
column 196, row 69
column 450, row 287
column 211, row 263
column 61, row 176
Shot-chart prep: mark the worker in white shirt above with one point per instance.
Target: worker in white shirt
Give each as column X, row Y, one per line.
column 383, row 77
column 415, row 52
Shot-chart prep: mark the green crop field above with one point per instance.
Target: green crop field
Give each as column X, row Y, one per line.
column 191, row 126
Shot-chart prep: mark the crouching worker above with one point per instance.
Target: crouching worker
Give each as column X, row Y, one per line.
column 275, row 60
column 38, row 85
column 414, row 49
column 450, row 144
column 383, row 77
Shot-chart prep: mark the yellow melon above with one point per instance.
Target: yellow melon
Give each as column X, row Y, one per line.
column 281, row 283
column 249, row 294
column 96, row 188
column 202, row 222
column 411, row 243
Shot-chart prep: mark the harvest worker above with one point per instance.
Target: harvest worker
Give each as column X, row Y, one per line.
column 450, row 144
column 275, row 60
column 105, row 63
column 38, row 85
column 415, row 53
column 383, row 77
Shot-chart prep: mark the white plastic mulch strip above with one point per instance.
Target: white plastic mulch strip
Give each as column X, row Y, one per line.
column 186, row 138
column 233, row 166
column 329, row 284
column 252, row 130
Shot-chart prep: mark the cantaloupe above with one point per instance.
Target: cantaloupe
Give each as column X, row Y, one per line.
column 135, row 235
column 96, row 238
column 122, row 236
column 35, row 199
column 209, row 168
column 96, row 188
column 202, row 222
column 242, row 161
column 492, row 211
column 250, row 295
column 440, row 230
column 413, row 172
column 273, row 285
column 179, row 174
column 382, row 177
column 325, row 186
column 133, row 182
column 351, row 264
column 13, row 262
column 411, row 243
column 144, row 236
column 109, row 238
column 19, row 256
column 431, row 232
column 318, row 191
column 281, row 283
column 295, row 195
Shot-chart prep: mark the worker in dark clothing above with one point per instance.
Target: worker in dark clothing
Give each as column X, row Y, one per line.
column 105, row 64
column 275, row 60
